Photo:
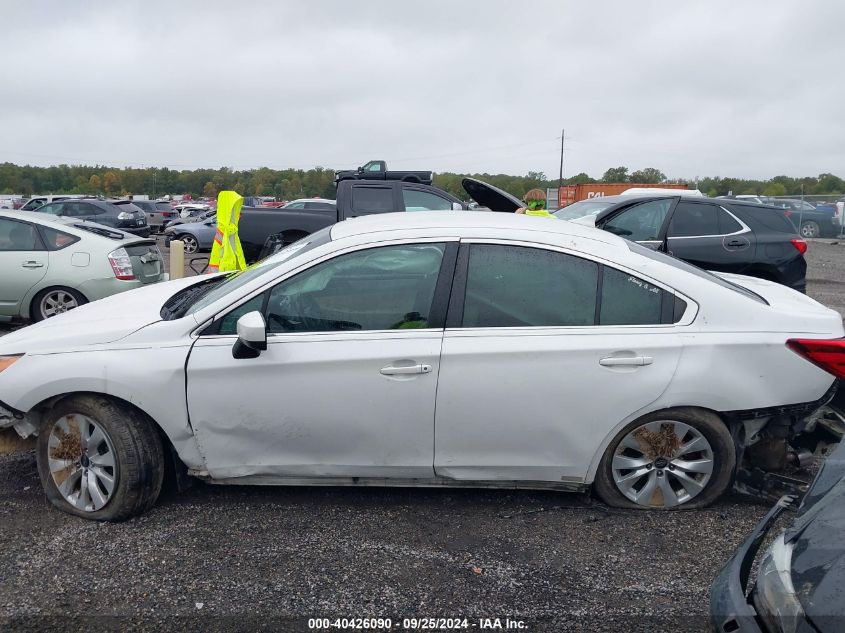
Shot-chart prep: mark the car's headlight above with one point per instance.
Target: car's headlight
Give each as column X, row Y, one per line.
column 8, row 361
column 774, row 596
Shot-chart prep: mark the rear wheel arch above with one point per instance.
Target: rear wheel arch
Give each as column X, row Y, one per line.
column 721, row 434
column 35, row 294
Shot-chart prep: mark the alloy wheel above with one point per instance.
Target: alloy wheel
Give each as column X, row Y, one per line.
column 190, row 243
column 57, row 302
column 81, row 459
column 810, row 229
column 662, row 464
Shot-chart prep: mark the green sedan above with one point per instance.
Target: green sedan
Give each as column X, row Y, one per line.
column 51, row 265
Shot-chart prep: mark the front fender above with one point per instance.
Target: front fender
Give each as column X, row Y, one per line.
column 151, row 379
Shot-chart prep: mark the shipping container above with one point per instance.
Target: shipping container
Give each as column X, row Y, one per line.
column 575, row 193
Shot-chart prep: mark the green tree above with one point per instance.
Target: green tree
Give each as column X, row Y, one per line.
column 111, row 183
column 615, row 174
column 649, row 175
column 95, row 184
column 775, row 189
column 209, row 190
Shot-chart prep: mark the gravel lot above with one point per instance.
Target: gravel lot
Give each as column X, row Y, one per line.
column 243, row 558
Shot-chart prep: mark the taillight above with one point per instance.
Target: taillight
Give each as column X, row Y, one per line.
column 829, row 354
column 121, row 264
column 799, row 244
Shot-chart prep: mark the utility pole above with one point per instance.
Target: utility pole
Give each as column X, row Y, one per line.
column 560, row 176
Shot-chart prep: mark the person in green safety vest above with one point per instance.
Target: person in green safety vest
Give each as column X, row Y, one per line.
column 535, row 204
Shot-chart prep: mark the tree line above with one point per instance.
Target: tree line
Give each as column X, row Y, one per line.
column 287, row 184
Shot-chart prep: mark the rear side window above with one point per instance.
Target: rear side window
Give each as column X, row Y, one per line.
column 517, row 286
column 372, row 200
column 628, row 300
column 727, row 223
column 692, row 220
column 163, row 206
column 416, row 200
column 772, row 219
column 56, row 240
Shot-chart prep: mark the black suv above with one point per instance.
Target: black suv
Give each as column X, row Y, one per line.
column 724, row 235
column 126, row 217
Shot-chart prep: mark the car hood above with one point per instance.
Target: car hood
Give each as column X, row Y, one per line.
column 491, row 197
column 96, row 323
column 818, row 536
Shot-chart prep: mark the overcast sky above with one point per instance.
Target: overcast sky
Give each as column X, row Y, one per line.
column 749, row 89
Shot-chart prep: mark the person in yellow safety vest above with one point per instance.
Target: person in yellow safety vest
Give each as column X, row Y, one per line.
column 535, row 204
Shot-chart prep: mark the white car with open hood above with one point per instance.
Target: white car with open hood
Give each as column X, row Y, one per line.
column 424, row 349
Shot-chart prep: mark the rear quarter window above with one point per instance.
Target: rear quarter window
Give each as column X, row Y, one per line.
column 56, row 240
column 367, row 200
column 768, row 217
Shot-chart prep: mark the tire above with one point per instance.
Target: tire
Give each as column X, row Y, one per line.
column 810, row 229
column 52, row 301
column 191, row 244
column 124, row 470
column 656, row 475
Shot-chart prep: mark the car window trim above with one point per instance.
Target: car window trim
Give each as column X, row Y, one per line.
column 208, row 326
column 458, row 295
column 744, row 229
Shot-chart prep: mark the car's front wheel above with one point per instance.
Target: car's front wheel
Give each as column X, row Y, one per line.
column 99, row 459
column 678, row 458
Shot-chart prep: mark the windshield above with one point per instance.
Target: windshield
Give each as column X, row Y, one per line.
column 580, row 209
column 235, row 280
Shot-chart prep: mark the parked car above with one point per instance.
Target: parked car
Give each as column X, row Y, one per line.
column 814, row 222
column 311, row 204
column 196, row 236
column 724, row 235
column 591, row 206
column 463, row 323
column 205, row 215
column 38, row 201
column 377, row 170
column 51, row 265
column 801, row 574
column 157, row 211
column 354, row 198
column 125, row 216
column 190, row 210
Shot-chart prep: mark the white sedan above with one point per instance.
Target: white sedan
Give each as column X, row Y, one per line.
column 425, row 349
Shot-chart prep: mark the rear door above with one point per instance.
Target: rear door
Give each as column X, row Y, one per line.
column 545, row 354
column 709, row 236
column 23, row 263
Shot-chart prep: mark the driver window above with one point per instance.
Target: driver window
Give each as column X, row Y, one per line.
column 641, row 223
column 385, row 288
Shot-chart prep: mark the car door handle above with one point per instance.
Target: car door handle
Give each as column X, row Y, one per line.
column 390, row 370
column 32, row 264
column 626, row 361
column 736, row 243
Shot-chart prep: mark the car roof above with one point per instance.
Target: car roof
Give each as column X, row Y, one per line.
column 465, row 221
column 68, row 224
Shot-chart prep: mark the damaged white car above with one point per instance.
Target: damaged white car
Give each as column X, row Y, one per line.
column 426, row 349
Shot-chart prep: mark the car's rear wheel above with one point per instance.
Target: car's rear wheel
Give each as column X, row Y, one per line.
column 98, row 459
column 190, row 242
column 52, row 301
column 810, row 229
column 678, row 458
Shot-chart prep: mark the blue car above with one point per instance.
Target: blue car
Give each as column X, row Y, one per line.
column 196, row 236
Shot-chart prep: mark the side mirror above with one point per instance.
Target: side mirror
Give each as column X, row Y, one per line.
column 252, row 336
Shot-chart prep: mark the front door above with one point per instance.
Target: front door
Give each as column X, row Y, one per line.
column 547, row 354
column 23, row 263
column 346, row 387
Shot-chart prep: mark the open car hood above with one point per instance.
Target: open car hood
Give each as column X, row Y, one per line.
column 491, row 197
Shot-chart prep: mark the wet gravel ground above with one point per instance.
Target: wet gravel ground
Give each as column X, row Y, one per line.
column 249, row 558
